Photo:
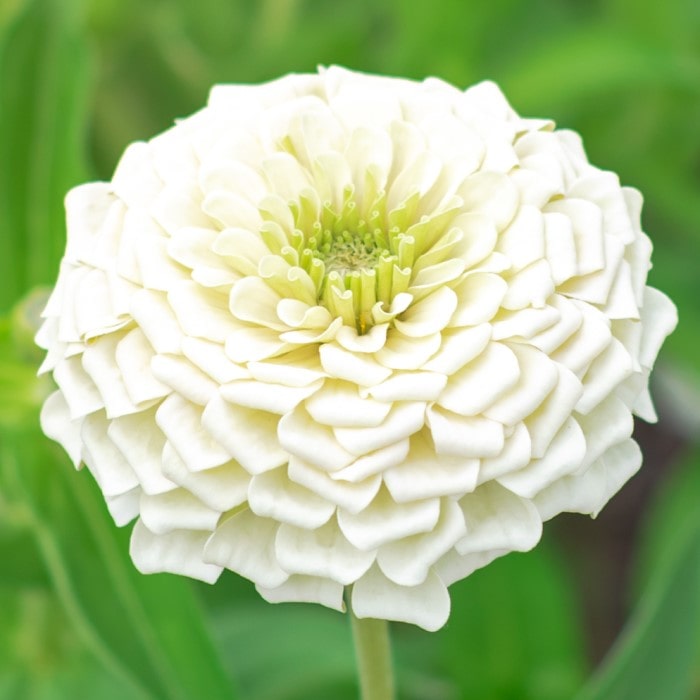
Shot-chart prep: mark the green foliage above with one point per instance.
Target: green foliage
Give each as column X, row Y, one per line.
column 44, row 73
column 657, row 654
column 82, row 78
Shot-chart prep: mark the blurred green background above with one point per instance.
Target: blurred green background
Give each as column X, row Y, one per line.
column 599, row 611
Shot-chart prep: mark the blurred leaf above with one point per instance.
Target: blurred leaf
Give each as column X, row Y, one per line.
column 44, row 73
column 149, row 631
column 514, row 631
column 656, row 653
column 292, row 652
column 583, row 62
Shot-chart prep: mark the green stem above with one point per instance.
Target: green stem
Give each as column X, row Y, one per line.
column 373, row 653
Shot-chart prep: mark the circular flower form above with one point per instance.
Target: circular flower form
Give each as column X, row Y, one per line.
column 344, row 330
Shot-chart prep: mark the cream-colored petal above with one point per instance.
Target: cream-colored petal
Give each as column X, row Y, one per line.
column 563, row 456
column 423, row 474
column 464, row 436
column 408, row 561
column 301, row 436
column 177, row 552
column 306, row 589
column 181, row 422
column 57, row 423
column 176, row 510
column 498, row 519
column 249, row 436
column 322, row 552
column 272, row 495
column 352, row 496
column 220, row 488
column 404, row 419
column 245, row 543
column 340, row 404
column 483, row 381
column 426, row 605
column 384, row 521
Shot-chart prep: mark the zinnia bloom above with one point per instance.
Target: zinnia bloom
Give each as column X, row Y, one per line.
column 345, row 330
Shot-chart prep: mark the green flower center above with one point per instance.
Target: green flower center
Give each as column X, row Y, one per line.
column 356, row 261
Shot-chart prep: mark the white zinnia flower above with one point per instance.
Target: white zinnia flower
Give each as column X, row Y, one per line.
column 344, row 330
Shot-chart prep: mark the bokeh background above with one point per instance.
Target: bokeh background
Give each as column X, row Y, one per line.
column 601, row 610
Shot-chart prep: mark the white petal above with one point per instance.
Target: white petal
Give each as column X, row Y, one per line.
column 429, row 315
column 141, row 442
column 339, row 404
column 545, row 422
column 297, row 368
column 463, row 436
column 254, row 344
column 200, row 312
column 404, row 419
column 273, row 398
column 124, row 507
column 561, row 246
column 156, row 319
column 384, row 520
column 409, row 386
column 516, row 453
column 523, row 241
column 424, row 474
column 563, row 456
column 455, row 567
column 179, row 375
column 538, row 376
column 220, row 488
column 105, row 461
column 590, row 491
column 56, row 423
column 306, row 589
column 587, row 225
column 133, row 356
column 401, row 352
column 181, row 422
column 176, row 510
column 592, row 337
column 479, row 296
column 459, row 346
column 595, row 287
column 659, row 319
column 312, row 442
column 374, row 462
column 426, row 605
column 351, row 496
column 611, row 367
column 245, row 543
column 178, row 552
column 212, row 360
column 492, row 194
column 609, row 423
column 480, row 383
column 531, row 286
column 322, row 552
column 498, row 519
column 249, row 436
column 524, row 323
column 360, row 369
column 78, row 389
column 408, row 561
column 273, row 495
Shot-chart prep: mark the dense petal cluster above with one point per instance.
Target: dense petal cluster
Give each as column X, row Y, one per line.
column 343, row 330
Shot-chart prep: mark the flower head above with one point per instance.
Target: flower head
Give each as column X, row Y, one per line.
column 341, row 330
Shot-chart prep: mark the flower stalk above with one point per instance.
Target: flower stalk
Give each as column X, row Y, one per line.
column 373, row 654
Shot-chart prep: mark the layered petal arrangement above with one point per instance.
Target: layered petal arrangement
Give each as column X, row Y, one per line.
column 341, row 330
